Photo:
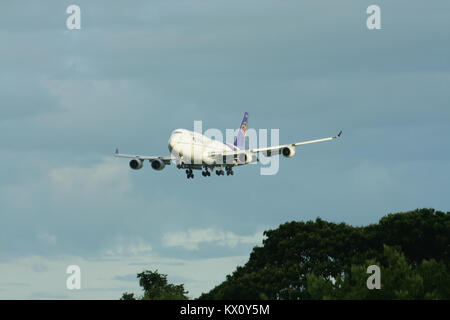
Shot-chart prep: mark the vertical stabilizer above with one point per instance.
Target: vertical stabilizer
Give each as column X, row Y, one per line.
column 239, row 142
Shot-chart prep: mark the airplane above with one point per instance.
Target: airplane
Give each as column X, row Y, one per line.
column 193, row 151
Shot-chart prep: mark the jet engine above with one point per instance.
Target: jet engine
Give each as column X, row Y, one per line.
column 288, row 151
column 136, row 164
column 244, row 158
column 158, row 164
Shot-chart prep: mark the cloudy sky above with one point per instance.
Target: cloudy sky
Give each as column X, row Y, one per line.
column 139, row 69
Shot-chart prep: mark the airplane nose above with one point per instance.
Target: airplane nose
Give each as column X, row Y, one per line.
column 171, row 144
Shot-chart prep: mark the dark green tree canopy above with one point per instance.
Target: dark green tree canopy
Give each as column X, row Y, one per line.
column 156, row 287
column 292, row 255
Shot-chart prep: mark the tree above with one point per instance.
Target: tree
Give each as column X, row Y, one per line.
column 128, row 296
column 400, row 280
column 320, row 259
column 156, row 287
column 278, row 269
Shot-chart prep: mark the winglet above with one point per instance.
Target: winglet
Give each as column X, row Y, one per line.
column 339, row 134
column 117, row 151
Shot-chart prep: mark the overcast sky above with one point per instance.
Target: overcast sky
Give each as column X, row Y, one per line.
column 139, row 69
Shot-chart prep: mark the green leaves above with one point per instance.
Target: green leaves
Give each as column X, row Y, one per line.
column 128, row 296
column 400, row 280
column 156, row 287
column 323, row 260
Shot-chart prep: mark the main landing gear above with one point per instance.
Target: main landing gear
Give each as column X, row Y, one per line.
column 229, row 170
column 189, row 173
column 206, row 173
column 221, row 172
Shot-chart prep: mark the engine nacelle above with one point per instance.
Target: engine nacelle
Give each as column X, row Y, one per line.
column 288, row 151
column 244, row 158
column 136, row 164
column 158, row 164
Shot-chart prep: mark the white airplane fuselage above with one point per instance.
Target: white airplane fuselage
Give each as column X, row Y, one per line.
column 195, row 148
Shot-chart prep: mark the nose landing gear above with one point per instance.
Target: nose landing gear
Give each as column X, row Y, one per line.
column 189, row 173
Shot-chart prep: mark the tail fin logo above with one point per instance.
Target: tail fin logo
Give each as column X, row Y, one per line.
column 244, row 127
column 239, row 142
column 244, row 123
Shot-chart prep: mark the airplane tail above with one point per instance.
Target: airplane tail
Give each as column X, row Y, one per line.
column 239, row 142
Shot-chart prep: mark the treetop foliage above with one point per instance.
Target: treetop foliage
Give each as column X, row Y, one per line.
column 156, row 287
column 324, row 260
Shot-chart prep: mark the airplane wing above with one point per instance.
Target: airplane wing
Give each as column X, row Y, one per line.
column 269, row 151
column 165, row 159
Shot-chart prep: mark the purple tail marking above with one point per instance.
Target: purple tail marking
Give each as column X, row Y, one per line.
column 239, row 142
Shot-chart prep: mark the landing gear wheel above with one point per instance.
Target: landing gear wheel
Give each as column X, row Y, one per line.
column 206, row 173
